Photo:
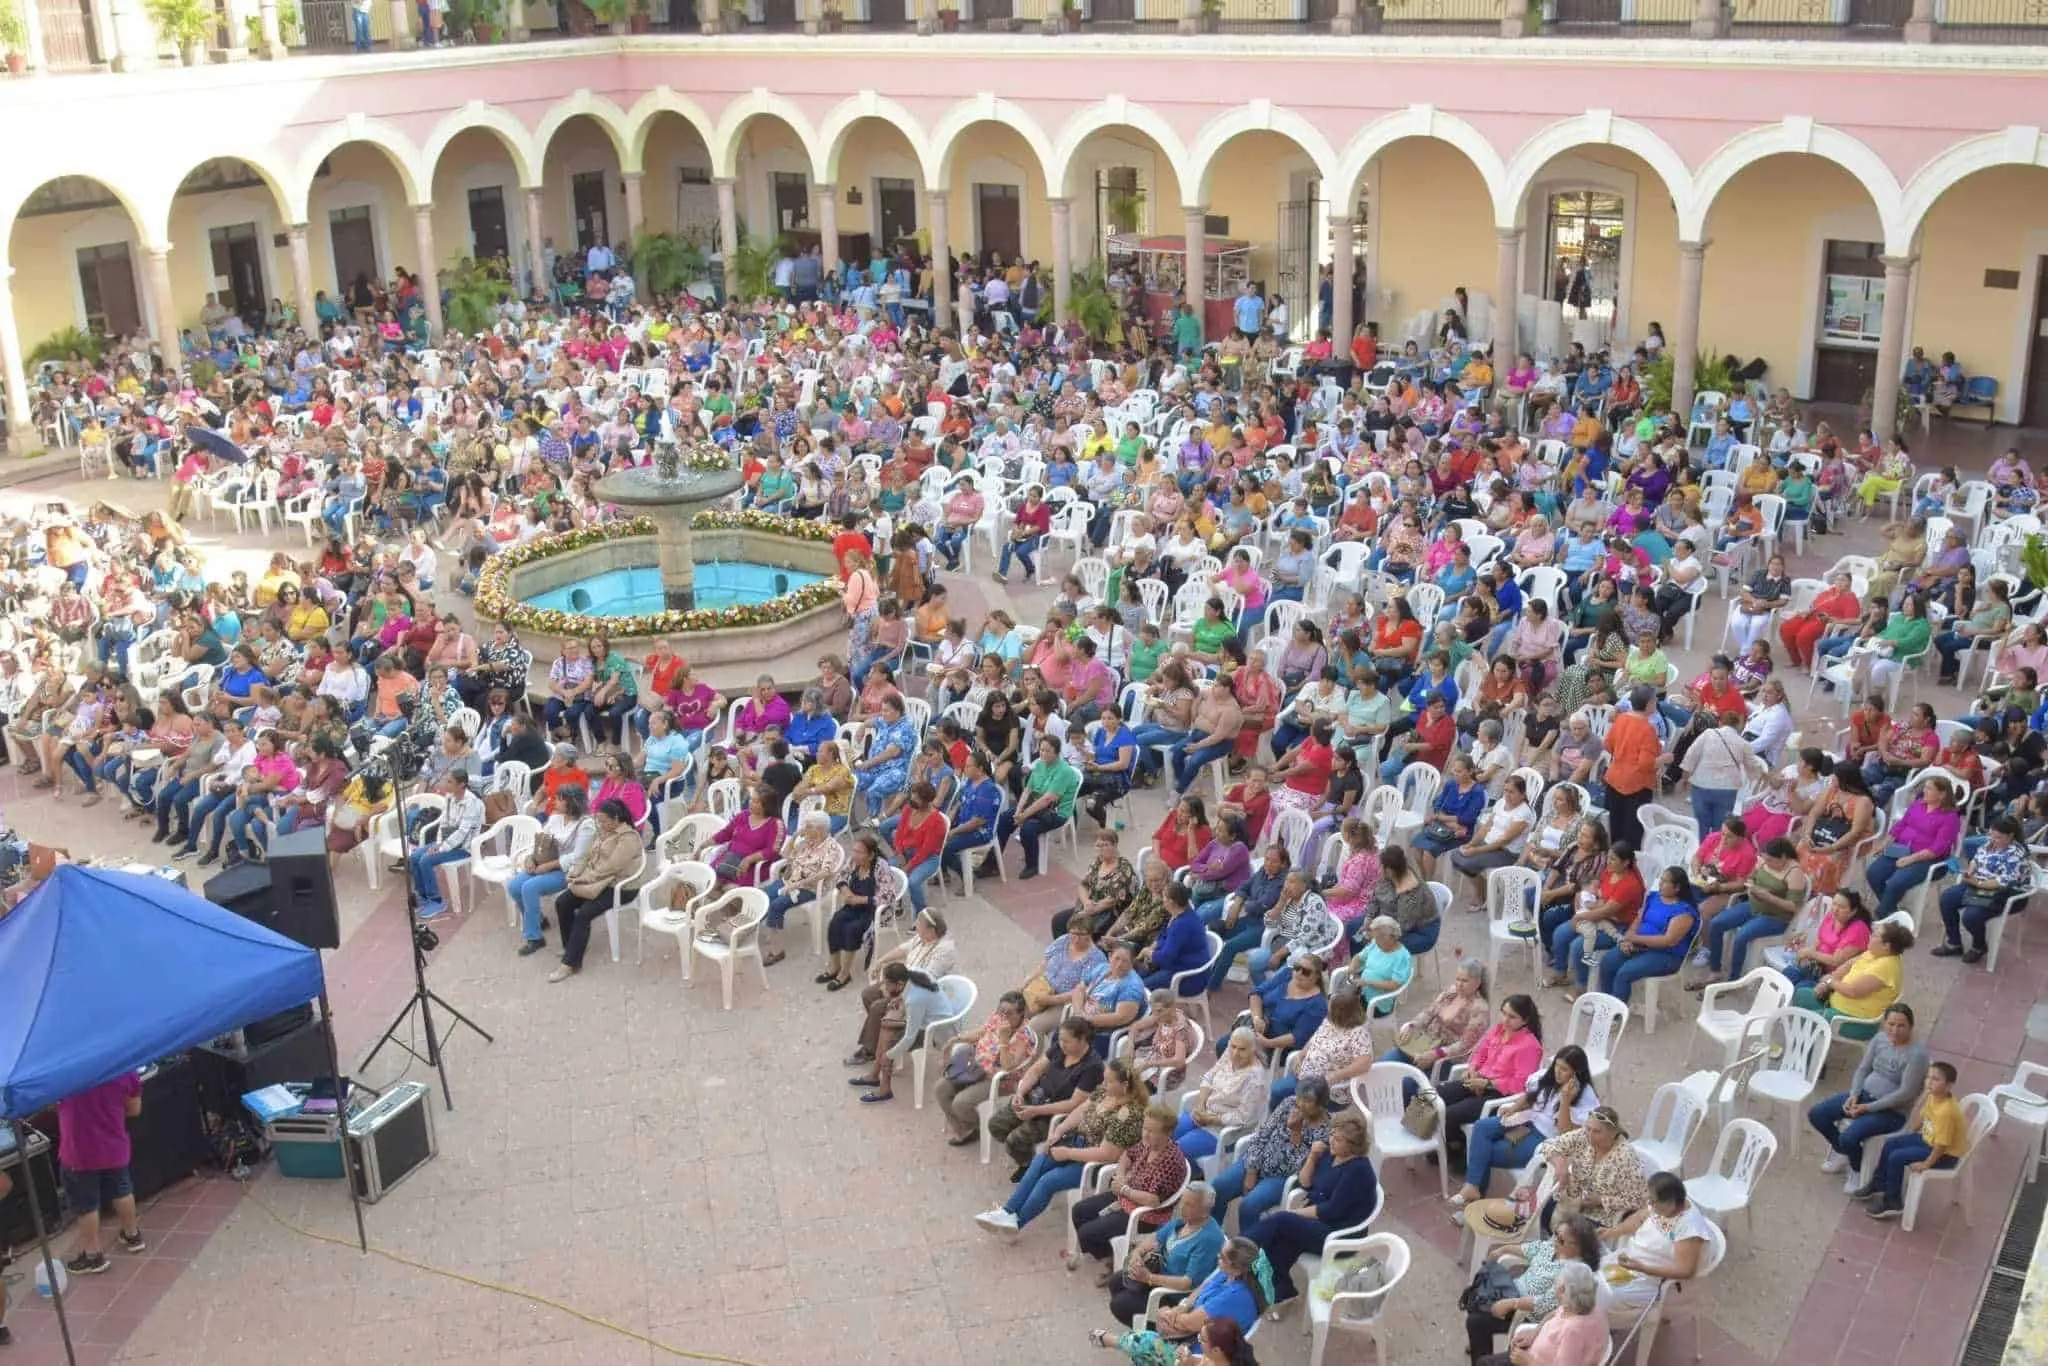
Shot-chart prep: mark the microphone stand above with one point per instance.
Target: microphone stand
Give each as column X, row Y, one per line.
column 424, row 998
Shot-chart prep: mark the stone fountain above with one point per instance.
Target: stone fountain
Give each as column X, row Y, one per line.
column 672, row 493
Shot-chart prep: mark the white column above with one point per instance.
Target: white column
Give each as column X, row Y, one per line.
column 942, row 257
column 1342, row 254
column 32, row 33
column 430, row 275
column 1685, row 341
column 825, row 204
column 166, row 311
column 1195, row 235
column 728, row 234
column 636, row 213
column 1920, row 23
column 21, row 429
column 131, row 37
column 1062, row 257
column 515, row 21
column 1891, row 345
column 1507, row 287
column 1345, row 22
column 402, row 36
column 536, row 236
column 302, row 278
column 1710, row 19
column 273, row 34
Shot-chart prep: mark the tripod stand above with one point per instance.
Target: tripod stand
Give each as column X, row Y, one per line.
column 422, row 938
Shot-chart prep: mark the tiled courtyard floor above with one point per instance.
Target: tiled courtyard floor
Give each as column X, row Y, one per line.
column 683, row 1180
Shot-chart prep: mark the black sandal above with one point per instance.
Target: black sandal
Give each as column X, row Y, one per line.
column 772, row 959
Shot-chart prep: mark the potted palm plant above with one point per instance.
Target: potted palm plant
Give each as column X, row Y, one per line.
column 732, row 15
column 831, row 18
column 949, row 18
column 13, row 37
column 184, row 24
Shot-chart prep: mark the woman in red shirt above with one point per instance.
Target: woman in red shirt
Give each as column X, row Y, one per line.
column 1396, row 642
column 1599, row 916
column 1182, row 834
column 919, row 837
column 1836, row 607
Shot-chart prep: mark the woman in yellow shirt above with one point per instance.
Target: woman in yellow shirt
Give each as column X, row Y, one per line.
column 1758, row 478
column 1859, row 992
column 305, row 620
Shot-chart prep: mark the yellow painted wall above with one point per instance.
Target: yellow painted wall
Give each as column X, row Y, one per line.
column 474, row 159
column 43, row 251
column 1249, row 180
column 580, row 145
column 1434, row 223
column 360, row 174
column 1762, row 284
column 873, row 150
column 978, row 147
column 1981, row 224
column 192, row 257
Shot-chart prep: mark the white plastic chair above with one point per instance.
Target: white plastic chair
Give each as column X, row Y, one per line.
column 1726, row 1025
column 512, row 838
column 1597, row 1024
column 1663, row 1144
column 659, row 915
column 940, row 1029
column 1687, row 1299
column 1377, row 1095
column 1981, row 1114
column 1507, row 905
column 1741, row 1156
column 740, row 939
column 1371, row 1314
column 1791, row 1076
column 2021, row 1104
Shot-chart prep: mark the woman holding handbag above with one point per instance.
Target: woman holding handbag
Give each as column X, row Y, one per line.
column 1501, row 1065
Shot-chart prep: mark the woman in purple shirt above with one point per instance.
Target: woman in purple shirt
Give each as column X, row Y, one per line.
column 1920, row 845
column 1222, row 865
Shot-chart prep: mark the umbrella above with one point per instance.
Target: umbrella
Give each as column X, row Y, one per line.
column 214, row 444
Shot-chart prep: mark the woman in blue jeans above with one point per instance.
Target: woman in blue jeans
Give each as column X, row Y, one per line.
column 1275, row 1153
column 1558, row 1099
column 1112, row 1121
column 1656, row 945
column 534, row 887
column 1776, row 890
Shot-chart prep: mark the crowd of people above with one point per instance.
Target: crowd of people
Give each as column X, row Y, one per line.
column 1285, row 576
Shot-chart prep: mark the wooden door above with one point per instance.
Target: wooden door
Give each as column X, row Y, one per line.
column 355, row 248
column 1001, row 214
column 1843, row 374
column 2034, row 409
column 489, row 237
column 586, row 192
column 895, row 211
column 106, row 281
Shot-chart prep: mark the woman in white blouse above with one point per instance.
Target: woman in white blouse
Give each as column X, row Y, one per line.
column 1500, row 836
column 1233, row 1095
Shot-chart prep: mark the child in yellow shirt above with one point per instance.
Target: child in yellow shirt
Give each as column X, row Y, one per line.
column 1943, row 1138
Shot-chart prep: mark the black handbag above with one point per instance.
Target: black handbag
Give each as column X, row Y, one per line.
column 1490, row 1284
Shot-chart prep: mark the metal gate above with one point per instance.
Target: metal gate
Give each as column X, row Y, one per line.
column 1294, row 261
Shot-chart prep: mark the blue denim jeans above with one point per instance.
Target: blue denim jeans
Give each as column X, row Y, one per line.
column 1847, row 1136
column 1736, row 927
column 1192, row 754
column 1619, row 972
column 1899, row 1153
column 1149, row 734
column 1025, row 552
column 1492, row 1146
column 255, row 811
column 1892, row 882
column 1245, row 938
column 1195, row 1141
column 531, row 893
column 174, row 804
column 1712, row 806
column 424, row 862
column 1263, row 1196
column 1045, row 1178
column 214, row 807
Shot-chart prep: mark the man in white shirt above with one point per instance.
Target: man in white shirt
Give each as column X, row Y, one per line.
column 600, row 258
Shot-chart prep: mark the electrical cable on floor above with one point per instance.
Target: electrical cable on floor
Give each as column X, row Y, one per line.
column 512, row 1290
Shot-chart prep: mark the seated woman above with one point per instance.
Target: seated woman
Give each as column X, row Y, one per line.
column 810, row 861
column 1162, row 1040
column 1498, row 837
column 908, row 999
column 1454, row 817
column 1858, row 992
column 1339, row 1050
column 747, row 843
column 1175, row 1258
column 1210, row 1325
column 1274, row 1153
column 1289, row 1006
column 1538, row 1268
column 1099, row 1130
column 1148, row 1177
column 1502, row 1064
column 1655, row 946
column 1450, row 1027
column 615, row 851
column 1299, row 922
column 1231, row 1096
column 1343, row 1190
column 1106, row 888
column 1665, row 1240
column 1555, row 1101
column 1357, row 875
column 1998, row 875
column 862, row 894
column 1384, row 966
column 1597, row 917
column 1597, row 1170
column 1772, row 894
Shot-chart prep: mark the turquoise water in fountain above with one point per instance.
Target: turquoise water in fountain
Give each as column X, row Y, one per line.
column 633, row 592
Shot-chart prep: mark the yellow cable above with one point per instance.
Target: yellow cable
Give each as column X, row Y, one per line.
column 514, row 1290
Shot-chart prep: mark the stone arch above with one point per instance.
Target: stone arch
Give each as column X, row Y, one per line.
column 732, row 124
column 664, row 100
column 1595, row 128
column 1113, row 112
column 397, row 148
column 945, row 136
column 1258, row 116
column 1417, row 121
column 2016, row 146
column 516, row 138
column 832, row 133
column 1801, row 136
column 599, row 110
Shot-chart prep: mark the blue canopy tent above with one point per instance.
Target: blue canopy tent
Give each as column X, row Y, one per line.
column 178, row 969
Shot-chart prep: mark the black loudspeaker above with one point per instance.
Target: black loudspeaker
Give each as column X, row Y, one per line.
column 245, row 890
column 302, row 889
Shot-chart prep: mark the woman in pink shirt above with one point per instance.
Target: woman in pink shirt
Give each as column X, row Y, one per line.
column 619, row 782
column 270, row 776
column 765, row 708
column 1576, row 1334
column 1507, row 1056
column 748, row 842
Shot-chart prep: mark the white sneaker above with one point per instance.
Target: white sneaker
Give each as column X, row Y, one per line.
column 1835, row 1163
column 1852, row 1181
column 1702, row 960
column 997, row 1221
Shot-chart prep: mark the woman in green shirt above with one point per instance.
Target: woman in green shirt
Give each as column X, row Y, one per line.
column 1904, row 639
column 1797, row 491
column 1146, row 652
column 1047, row 804
column 615, row 692
column 1212, row 631
column 1990, row 621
